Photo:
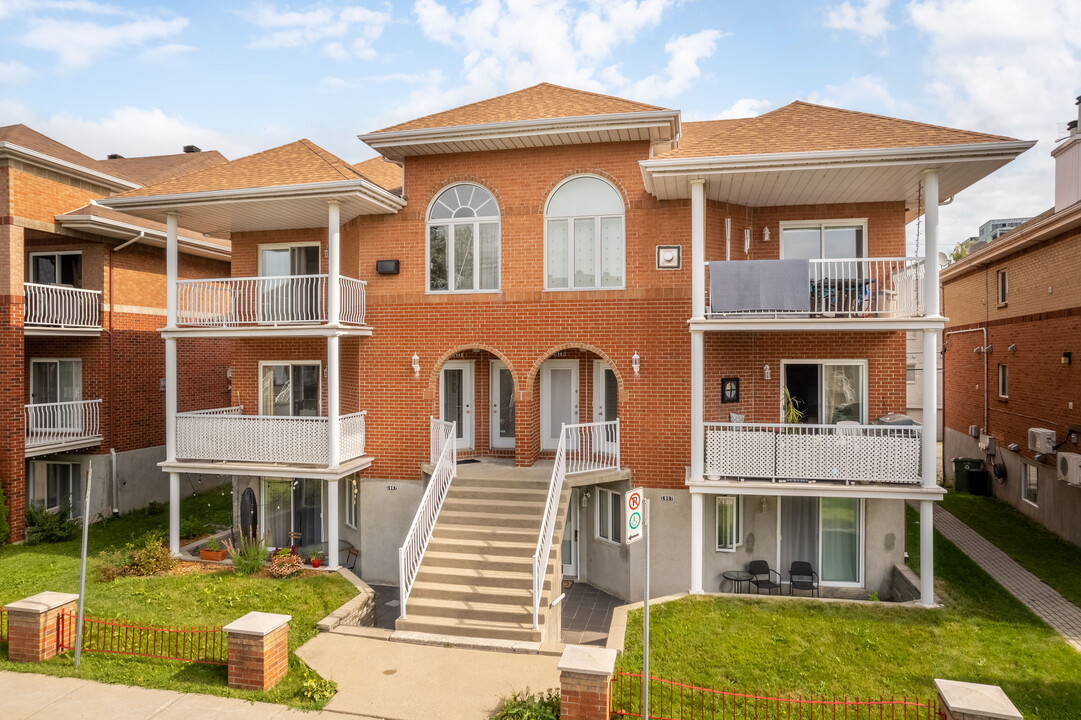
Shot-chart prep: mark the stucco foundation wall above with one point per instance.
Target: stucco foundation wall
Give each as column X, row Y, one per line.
column 385, row 516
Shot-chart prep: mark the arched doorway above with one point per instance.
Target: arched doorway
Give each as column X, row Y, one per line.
column 476, row 390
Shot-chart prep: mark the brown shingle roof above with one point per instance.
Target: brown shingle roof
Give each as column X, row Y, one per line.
column 540, row 102
column 297, row 163
column 33, row 140
column 804, row 127
column 382, row 172
column 156, row 168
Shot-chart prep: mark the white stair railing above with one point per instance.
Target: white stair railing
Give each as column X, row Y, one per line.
column 583, row 447
column 416, row 541
column 440, row 431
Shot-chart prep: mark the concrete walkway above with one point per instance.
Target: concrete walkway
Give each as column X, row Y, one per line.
column 1058, row 612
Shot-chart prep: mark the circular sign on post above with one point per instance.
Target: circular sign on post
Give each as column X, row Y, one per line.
column 634, row 514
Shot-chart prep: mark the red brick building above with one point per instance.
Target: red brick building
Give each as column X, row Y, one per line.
column 527, row 275
column 1014, row 310
column 83, row 300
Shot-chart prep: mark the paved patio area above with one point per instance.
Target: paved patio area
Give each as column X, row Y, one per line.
column 587, row 613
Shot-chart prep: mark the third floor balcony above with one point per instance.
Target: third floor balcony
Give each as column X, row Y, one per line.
column 52, row 309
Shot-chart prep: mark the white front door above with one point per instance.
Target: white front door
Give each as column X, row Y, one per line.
column 605, row 404
column 568, row 548
column 559, row 399
column 501, row 398
column 456, row 399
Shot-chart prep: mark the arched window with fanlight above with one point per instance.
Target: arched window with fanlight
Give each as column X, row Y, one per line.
column 463, row 240
column 584, row 236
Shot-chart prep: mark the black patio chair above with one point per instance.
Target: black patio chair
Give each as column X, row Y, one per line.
column 801, row 576
column 763, row 577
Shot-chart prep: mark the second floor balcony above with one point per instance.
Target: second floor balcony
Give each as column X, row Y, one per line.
column 61, row 426
column 293, row 303
column 50, row 309
column 847, row 453
column 226, row 436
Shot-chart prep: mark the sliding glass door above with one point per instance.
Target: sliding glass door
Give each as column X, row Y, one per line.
column 292, row 512
column 826, row 532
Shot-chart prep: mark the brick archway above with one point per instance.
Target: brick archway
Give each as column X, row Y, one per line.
column 531, row 377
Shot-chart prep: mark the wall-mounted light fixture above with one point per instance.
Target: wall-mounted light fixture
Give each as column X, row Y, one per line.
column 766, row 372
column 636, row 363
column 1012, row 347
column 765, row 234
column 763, row 505
column 1067, row 358
column 585, row 499
column 416, row 365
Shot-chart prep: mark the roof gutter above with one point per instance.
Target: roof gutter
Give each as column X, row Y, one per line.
column 70, row 168
column 193, row 246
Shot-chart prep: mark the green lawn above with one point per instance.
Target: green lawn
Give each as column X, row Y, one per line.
column 179, row 600
column 981, row 635
column 1034, row 547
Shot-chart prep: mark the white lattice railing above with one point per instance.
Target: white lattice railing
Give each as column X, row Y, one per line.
column 61, row 307
column 858, row 287
column 411, row 553
column 796, row 453
column 49, row 424
column 225, row 435
column 582, row 448
column 440, row 431
column 287, row 300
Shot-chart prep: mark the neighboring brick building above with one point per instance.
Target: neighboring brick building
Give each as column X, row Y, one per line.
column 1012, row 352
column 83, row 300
column 527, row 267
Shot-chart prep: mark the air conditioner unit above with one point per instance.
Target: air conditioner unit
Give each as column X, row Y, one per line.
column 974, row 430
column 1041, row 440
column 987, row 444
column 1069, row 467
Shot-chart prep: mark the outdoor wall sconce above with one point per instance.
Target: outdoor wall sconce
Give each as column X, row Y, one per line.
column 765, row 234
column 585, row 499
column 766, row 372
column 1067, row 357
column 636, row 363
column 1012, row 347
column 763, row 505
column 416, row 365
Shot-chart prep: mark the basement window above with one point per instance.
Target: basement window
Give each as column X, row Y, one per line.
column 610, row 516
column 1030, row 481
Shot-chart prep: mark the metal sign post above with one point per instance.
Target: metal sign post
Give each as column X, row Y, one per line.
column 82, row 567
column 637, row 528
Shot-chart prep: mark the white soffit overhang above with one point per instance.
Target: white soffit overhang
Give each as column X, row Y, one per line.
column 654, row 126
column 48, row 162
column 845, row 176
column 222, row 212
column 110, row 227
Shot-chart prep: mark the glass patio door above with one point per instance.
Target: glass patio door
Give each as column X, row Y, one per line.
column 559, row 399
column 286, row 298
column 841, row 541
column 290, row 390
column 501, row 397
column 292, row 512
column 799, row 533
column 456, row 400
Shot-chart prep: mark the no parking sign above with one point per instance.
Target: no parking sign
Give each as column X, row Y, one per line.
column 634, row 514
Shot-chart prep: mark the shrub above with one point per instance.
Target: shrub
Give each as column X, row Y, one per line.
column 248, row 557
column 317, row 689
column 146, row 555
column 155, row 508
column 285, row 564
column 45, row 526
column 192, row 528
column 5, row 528
column 527, row 706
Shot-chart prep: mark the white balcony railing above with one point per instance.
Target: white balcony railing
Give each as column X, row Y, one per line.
column 809, row 453
column 62, row 423
column 62, row 307
column 226, row 435
column 290, row 300
column 852, row 288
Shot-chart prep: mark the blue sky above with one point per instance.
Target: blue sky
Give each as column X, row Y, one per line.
column 142, row 78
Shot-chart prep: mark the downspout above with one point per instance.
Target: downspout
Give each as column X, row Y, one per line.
column 116, row 487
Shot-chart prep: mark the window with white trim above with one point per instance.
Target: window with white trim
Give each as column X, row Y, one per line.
column 1002, row 281
column 1030, row 482
column 610, row 515
column 290, row 389
column 351, row 497
column 57, row 268
column 584, row 236
column 729, row 522
column 1003, row 381
column 824, row 239
column 463, row 240
column 55, row 380
column 55, row 486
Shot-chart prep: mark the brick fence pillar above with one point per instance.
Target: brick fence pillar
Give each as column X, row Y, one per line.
column 258, row 646
column 585, row 682
column 972, row 701
column 32, row 625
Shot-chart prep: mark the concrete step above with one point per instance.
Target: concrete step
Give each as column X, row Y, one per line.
column 455, row 503
column 464, row 517
column 464, row 531
column 502, row 483
column 436, row 559
column 478, row 577
column 507, row 495
column 484, row 546
column 471, row 594
column 469, row 628
column 469, row 610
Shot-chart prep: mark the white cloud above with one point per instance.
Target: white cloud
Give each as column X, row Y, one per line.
column 684, row 54
column 164, row 53
column 13, row 7
column 867, row 18
column 343, row 34
column 79, row 43
column 14, row 72
column 867, row 93
column 743, row 108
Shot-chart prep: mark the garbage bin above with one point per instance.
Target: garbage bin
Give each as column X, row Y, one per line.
column 962, row 467
column 979, row 482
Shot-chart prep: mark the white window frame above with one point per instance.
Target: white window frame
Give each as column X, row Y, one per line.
column 1028, row 468
column 605, row 495
column 53, row 253
column 1002, row 286
column 292, row 515
column 452, row 222
column 1003, row 381
column 821, row 226
column 57, row 362
column 352, row 498
column 864, row 379
column 74, row 479
column 287, row 246
column 319, row 393
column 736, row 501
column 597, row 262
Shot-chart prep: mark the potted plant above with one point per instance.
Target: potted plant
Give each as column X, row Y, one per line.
column 212, row 551
column 317, row 558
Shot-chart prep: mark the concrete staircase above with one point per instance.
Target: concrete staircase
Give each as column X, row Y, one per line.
column 476, row 578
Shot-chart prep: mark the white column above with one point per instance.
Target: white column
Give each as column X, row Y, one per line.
column 334, row 410
column 333, row 523
column 334, row 290
column 697, row 524
column 929, row 469
column 698, row 248
column 930, row 218
column 171, row 265
column 930, row 389
column 174, row 513
column 927, row 553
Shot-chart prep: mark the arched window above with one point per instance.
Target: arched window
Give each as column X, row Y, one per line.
column 463, row 240
column 583, row 236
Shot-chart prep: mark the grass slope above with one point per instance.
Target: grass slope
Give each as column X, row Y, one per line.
column 184, row 600
column 982, row 635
